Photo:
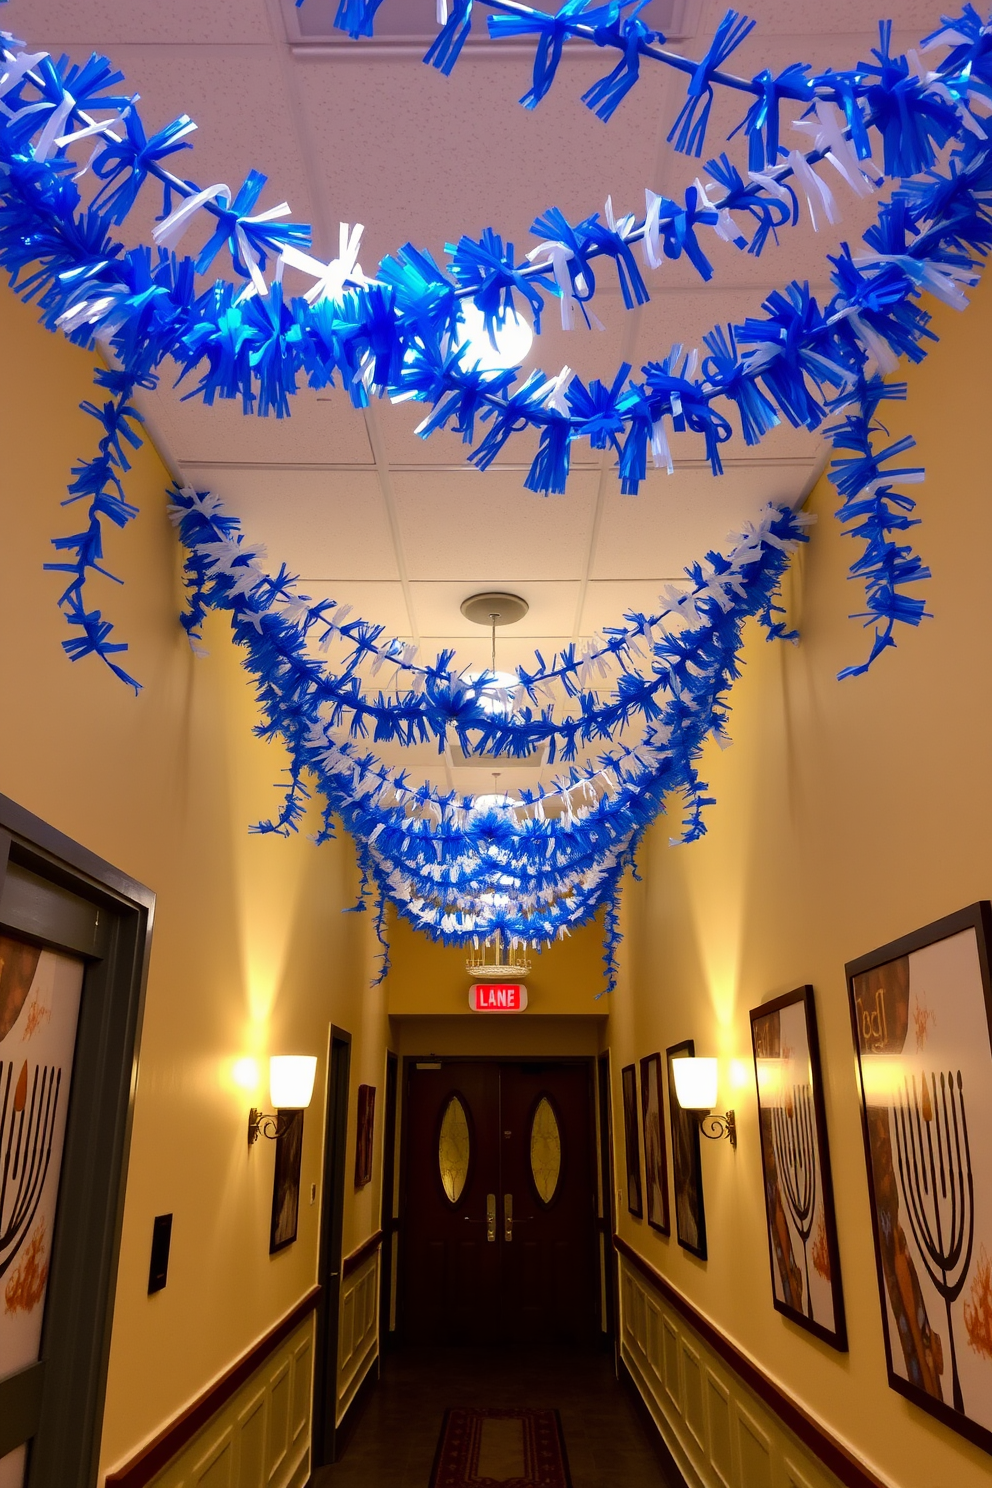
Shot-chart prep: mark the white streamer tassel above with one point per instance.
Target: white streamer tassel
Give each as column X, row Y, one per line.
column 557, row 387
column 557, row 256
column 942, row 282
column 170, row 232
column 827, row 133
column 46, row 142
column 651, row 241
column 661, row 455
column 772, row 185
column 247, row 253
column 330, row 277
column 16, row 67
column 622, row 226
column 725, row 227
column 816, row 190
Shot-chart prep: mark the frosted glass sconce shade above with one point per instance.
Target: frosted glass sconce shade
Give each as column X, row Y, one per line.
column 696, row 1086
column 291, row 1078
column 695, row 1083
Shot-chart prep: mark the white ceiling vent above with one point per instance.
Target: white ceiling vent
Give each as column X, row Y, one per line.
column 408, row 22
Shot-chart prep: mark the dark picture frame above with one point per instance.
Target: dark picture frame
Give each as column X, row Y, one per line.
column 795, row 1163
column 632, row 1149
column 921, row 1017
column 364, row 1134
column 286, row 1181
column 44, row 876
column 687, row 1167
column 655, row 1151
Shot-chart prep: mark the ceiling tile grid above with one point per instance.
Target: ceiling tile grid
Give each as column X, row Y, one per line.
column 365, row 512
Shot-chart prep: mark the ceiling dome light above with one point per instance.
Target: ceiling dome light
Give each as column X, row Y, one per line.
column 495, row 694
column 492, row 802
column 514, row 339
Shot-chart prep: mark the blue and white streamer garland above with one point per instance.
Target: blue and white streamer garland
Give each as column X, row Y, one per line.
column 458, row 869
column 394, row 335
column 456, row 874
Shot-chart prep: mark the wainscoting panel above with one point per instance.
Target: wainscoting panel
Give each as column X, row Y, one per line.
column 261, row 1438
column 720, row 1434
column 358, row 1339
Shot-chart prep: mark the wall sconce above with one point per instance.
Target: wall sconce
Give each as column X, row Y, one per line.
column 696, row 1086
column 291, row 1078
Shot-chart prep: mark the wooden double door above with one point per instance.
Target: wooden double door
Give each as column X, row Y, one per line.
column 498, row 1236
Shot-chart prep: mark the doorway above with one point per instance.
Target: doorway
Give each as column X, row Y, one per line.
column 325, row 1422
column 499, row 1228
column 74, row 939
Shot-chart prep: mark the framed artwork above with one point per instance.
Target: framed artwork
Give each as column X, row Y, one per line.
column 655, row 1156
column 364, row 1135
column 286, row 1181
column 40, row 992
column 795, row 1162
column 921, row 1013
column 687, row 1171
column 628, row 1079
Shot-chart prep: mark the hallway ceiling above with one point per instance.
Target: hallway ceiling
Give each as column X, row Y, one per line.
column 395, row 526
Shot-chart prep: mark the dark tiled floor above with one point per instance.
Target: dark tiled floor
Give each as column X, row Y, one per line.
column 394, row 1441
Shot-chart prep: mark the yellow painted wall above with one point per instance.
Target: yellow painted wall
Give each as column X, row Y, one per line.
column 251, row 954
column 848, row 814
column 428, row 978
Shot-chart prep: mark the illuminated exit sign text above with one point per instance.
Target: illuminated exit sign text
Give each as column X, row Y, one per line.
column 497, row 997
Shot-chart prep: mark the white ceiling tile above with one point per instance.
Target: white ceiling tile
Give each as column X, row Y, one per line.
column 849, row 17
column 380, row 602
column 245, row 120
column 107, row 23
column 608, row 600
column 382, row 140
column 481, row 529
column 321, row 430
column 677, row 518
column 324, row 524
column 489, row 161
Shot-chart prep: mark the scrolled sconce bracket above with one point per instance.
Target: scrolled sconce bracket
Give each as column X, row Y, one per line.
column 261, row 1124
column 716, row 1126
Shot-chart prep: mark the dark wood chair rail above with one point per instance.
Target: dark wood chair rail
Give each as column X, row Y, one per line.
column 159, row 1452
column 828, row 1449
column 358, row 1257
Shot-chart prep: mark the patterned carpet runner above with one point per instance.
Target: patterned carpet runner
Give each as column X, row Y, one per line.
column 500, row 1449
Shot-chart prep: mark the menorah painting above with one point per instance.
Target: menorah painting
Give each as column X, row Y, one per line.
column 39, row 1009
column 802, row 1235
column 922, row 1016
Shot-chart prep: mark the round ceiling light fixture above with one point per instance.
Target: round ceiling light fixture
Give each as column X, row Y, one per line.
column 507, row 347
column 494, row 607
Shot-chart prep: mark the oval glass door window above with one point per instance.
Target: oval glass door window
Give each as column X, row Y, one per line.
column 545, row 1150
column 453, row 1149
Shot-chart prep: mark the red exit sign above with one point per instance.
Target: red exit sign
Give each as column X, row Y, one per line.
column 497, row 997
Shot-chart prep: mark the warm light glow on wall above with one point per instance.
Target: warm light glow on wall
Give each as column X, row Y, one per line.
column 884, row 1078
column 245, row 1073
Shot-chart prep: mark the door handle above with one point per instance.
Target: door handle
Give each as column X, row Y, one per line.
column 489, row 1221
column 508, row 1219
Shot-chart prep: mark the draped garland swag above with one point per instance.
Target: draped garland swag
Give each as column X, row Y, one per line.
column 627, row 713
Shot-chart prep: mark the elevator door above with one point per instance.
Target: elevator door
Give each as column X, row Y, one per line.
column 499, row 1202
